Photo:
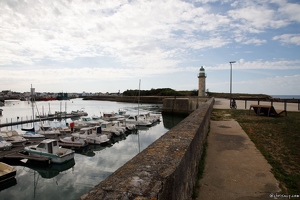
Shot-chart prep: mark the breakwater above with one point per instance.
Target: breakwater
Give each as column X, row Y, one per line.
column 129, row 99
column 182, row 105
column 167, row 169
column 179, row 105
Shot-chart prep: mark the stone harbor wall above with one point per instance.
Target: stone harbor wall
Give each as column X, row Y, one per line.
column 181, row 105
column 167, row 169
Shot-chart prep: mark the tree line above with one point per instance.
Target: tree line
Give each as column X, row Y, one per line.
column 160, row 92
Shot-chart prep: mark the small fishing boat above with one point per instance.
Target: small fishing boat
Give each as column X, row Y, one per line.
column 79, row 112
column 7, row 172
column 127, row 126
column 50, row 148
column 90, row 136
column 73, row 142
column 4, row 145
column 89, row 121
column 31, row 135
column 13, row 137
column 134, row 119
column 50, row 133
column 150, row 117
column 114, row 128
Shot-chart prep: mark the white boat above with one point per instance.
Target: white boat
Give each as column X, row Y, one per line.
column 13, row 137
column 65, row 130
column 4, row 145
column 89, row 121
column 109, row 127
column 50, row 148
column 33, row 136
column 72, row 141
column 128, row 126
column 79, row 112
column 50, row 133
column 150, row 117
column 79, row 124
column 111, row 116
column 134, row 119
column 119, row 126
column 7, row 172
column 97, row 118
column 90, row 136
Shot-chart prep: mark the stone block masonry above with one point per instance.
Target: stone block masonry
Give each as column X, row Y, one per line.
column 182, row 105
column 167, row 169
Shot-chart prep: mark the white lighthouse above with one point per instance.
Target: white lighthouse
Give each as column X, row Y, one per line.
column 201, row 82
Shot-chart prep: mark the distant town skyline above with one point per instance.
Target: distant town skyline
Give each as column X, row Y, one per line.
column 108, row 46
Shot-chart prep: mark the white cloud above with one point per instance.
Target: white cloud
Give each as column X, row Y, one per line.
column 292, row 10
column 284, row 85
column 255, row 17
column 288, row 38
column 260, row 64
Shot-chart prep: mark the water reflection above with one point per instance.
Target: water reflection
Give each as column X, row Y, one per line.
column 170, row 120
column 53, row 170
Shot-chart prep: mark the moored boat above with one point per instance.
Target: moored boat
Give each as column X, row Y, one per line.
column 110, row 127
column 150, row 117
column 50, row 148
column 51, row 133
column 13, row 137
column 31, row 135
column 134, row 119
column 89, row 121
column 72, row 142
column 79, row 113
column 90, row 136
column 7, row 172
column 4, row 145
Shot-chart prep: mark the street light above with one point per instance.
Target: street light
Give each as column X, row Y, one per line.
column 231, row 81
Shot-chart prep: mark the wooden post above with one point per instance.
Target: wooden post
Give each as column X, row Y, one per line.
column 285, row 104
column 271, row 102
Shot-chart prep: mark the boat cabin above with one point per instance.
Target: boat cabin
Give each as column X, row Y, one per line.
column 48, row 146
column 107, row 125
column 132, row 118
column 87, row 130
column 86, row 119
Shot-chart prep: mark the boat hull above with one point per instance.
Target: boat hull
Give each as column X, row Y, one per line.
column 58, row 158
column 7, row 172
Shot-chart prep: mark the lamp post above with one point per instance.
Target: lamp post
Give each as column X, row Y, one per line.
column 230, row 81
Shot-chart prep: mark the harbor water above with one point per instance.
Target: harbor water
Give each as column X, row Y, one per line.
column 91, row 166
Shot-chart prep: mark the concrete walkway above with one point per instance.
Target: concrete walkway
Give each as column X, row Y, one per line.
column 234, row 168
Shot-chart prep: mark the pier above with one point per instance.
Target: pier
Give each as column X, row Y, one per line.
column 17, row 122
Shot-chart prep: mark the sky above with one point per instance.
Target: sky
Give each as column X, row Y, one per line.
column 109, row 45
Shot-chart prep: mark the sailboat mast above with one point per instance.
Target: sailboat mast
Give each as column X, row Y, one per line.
column 32, row 105
column 139, row 113
column 139, row 97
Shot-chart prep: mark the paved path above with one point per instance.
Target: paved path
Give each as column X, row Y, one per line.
column 234, row 168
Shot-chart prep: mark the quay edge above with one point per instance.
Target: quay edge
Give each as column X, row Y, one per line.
column 167, row 169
